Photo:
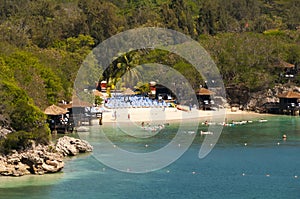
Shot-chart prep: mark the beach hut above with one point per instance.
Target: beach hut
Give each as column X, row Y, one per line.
column 289, row 102
column 204, row 98
column 55, row 110
column 57, row 119
column 289, row 70
column 81, row 111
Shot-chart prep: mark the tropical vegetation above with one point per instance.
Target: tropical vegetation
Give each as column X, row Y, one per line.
column 44, row 42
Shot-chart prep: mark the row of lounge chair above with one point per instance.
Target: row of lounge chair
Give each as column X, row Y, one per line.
column 134, row 102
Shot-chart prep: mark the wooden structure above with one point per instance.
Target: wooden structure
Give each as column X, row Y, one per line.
column 80, row 111
column 289, row 103
column 58, row 120
column 204, row 98
column 163, row 93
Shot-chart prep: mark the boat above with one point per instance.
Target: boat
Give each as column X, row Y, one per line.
column 82, row 129
column 153, row 128
column 262, row 120
column 206, row 133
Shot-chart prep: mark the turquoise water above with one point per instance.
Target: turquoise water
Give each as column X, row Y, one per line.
column 264, row 167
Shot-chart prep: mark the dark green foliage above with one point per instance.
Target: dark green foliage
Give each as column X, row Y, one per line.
column 44, row 42
column 21, row 115
column 37, row 80
column 15, row 141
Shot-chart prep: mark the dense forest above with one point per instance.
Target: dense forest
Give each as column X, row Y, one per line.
column 44, row 42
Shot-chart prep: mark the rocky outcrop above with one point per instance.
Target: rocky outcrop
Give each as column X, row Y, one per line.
column 258, row 99
column 69, row 146
column 42, row 159
column 4, row 132
column 34, row 161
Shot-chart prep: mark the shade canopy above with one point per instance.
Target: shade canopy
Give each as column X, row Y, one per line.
column 290, row 95
column 204, row 91
column 55, row 110
column 100, row 94
column 128, row 91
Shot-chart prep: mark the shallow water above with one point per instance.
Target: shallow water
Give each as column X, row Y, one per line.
column 249, row 161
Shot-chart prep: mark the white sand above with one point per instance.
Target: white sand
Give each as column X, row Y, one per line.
column 172, row 114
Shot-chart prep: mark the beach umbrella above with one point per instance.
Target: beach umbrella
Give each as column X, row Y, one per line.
column 100, row 94
column 128, row 91
column 55, row 110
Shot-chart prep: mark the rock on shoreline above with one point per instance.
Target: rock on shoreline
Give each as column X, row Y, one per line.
column 68, row 146
column 42, row 159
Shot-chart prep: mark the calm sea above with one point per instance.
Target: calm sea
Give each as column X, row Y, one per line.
column 249, row 161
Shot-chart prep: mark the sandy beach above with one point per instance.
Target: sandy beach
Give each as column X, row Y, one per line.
column 162, row 115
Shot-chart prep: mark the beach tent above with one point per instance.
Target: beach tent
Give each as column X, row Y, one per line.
column 55, row 110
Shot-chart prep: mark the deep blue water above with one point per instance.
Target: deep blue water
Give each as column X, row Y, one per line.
column 267, row 167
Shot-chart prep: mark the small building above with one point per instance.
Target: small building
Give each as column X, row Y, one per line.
column 288, row 71
column 289, row 103
column 204, row 98
column 160, row 92
column 81, row 111
column 58, row 119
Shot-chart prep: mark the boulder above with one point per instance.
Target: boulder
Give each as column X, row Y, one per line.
column 42, row 159
column 4, row 132
column 69, row 146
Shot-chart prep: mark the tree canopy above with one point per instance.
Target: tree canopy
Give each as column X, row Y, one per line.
column 43, row 43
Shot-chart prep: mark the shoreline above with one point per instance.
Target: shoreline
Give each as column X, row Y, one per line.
column 42, row 159
column 172, row 115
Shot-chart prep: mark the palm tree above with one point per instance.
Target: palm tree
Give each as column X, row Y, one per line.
column 128, row 69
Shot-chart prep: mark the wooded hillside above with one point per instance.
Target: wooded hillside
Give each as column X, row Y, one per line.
column 43, row 42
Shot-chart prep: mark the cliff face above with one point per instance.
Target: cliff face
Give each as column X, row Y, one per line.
column 256, row 100
column 237, row 95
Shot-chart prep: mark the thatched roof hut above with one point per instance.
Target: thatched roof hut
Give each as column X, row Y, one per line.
column 55, row 110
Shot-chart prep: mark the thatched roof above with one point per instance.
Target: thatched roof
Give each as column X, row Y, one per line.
column 283, row 64
column 204, row 91
column 55, row 110
column 76, row 102
column 128, row 91
column 100, row 94
column 290, row 94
